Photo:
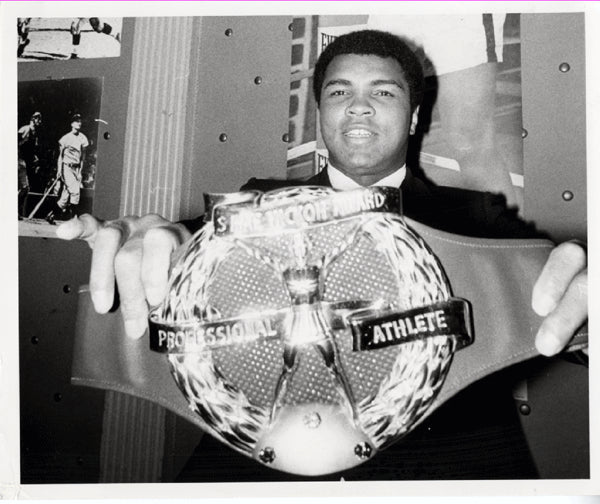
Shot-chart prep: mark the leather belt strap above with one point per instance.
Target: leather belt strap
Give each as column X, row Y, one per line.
column 496, row 276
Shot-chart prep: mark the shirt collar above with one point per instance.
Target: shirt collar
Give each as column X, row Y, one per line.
column 342, row 182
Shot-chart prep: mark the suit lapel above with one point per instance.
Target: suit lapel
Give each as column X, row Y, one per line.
column 417, row 197
column 320, row 179
column 416, row 194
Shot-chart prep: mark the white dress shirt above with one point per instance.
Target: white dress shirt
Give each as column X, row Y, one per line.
column 342, row 182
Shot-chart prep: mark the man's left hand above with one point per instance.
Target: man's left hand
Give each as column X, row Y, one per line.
column 560, row 295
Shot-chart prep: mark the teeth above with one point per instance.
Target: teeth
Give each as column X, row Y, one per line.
column 359, row 133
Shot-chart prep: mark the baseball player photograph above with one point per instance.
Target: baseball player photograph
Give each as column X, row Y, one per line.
column 28, row 142
column 47, row 38
column 59, row 153
column 71, row 156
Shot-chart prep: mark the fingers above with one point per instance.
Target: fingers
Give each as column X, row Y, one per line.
column 560, row 325
column 83, row 227
column 142, row 268
column 135, row 253
column 560, row 295
column 127, row 267
column 141, row 265
column 159, row 244
column 102, row 274
column 563, row 264
column 105, row 240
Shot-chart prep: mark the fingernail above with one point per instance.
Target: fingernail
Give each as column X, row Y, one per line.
column 135, row 328
column 62, row 230
column 68, row 229
column 543, row 305
column 102, row 300
column 155, row 296
column 547, row 343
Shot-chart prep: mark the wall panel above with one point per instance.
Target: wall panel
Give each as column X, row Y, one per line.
column 61, row 424
column 133, row 434
column 156, row 116
column 240, row 95
column 554, row 117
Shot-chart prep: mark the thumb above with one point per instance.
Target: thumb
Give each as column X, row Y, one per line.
column 83, row 227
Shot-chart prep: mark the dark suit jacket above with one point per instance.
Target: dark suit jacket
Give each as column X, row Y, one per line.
column 477, row 434
column 459, row 211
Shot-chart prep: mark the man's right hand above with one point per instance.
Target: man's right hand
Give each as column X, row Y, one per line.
column 133, row 251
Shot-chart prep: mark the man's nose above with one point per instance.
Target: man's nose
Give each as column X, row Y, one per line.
column 360, row 106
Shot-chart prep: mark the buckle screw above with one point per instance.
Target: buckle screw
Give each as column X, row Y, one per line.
column 363, row 450
column 267, row 455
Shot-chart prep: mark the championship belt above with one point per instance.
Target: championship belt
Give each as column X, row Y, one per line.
column 309, row 329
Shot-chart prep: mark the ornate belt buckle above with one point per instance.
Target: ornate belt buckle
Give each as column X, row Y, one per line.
column 309, row 328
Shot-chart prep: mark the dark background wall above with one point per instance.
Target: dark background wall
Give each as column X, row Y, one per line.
column 61, row 425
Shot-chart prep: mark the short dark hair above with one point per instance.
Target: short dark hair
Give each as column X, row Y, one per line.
column 378, row 43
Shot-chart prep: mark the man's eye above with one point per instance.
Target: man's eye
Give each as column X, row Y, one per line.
column 338, row 92
column 383, row 92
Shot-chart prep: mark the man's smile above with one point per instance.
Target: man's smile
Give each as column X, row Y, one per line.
column 358, row 133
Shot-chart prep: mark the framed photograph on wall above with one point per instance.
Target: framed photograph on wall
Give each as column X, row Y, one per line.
column 43, row 39
column 57, row 150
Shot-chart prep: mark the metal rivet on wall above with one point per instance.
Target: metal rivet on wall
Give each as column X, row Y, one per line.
column 258, row 80
column 524, row 133
column 223, row 137
column 66, row 288
column 564, row 67
column 525, row 409
column 228, row 32
column 291, row 27
column 286, row 137
column 35, row 340
column 567, row 195
column 58, row 397
column 107, row 135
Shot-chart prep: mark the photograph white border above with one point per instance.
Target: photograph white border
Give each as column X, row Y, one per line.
column 9, row 376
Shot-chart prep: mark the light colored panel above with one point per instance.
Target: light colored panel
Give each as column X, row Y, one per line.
column 132, row 438
column 133, row 432
column 156, row 116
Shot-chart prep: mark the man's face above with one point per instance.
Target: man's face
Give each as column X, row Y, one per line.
column 76, row 125
column 37, row 120
column 365, row 116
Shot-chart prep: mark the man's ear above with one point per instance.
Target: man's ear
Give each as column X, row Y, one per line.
column 414, row 120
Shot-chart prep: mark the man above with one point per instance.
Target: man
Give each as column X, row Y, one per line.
column 28, row 145
column 71, row 156
column 368, row 86
column 23, row 33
